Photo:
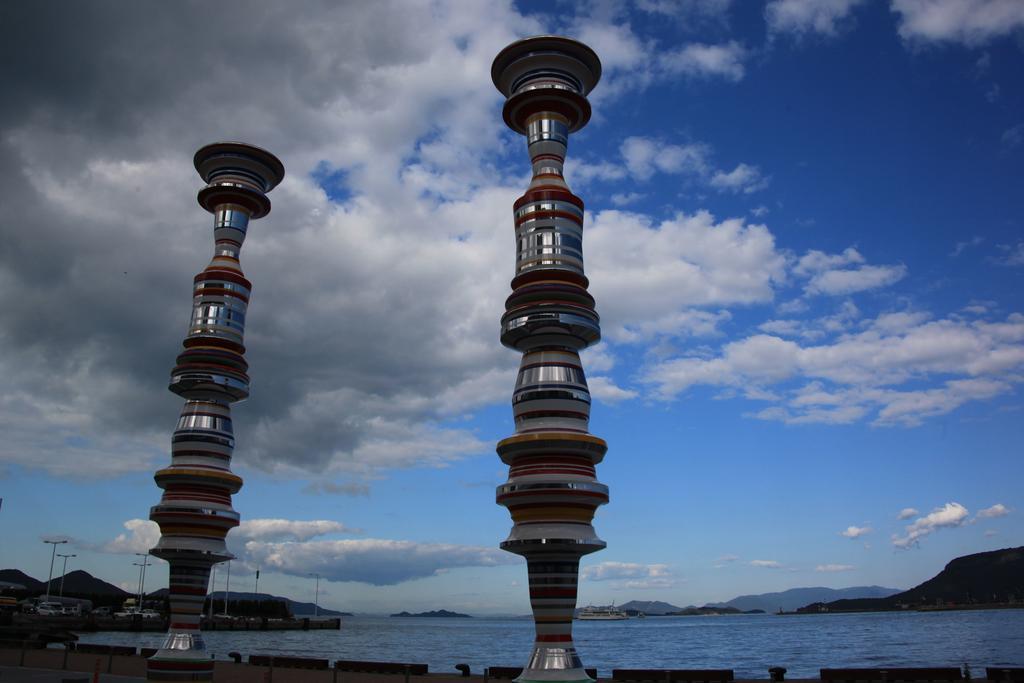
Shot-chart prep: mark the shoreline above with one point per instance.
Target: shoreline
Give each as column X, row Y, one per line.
column 978, row 607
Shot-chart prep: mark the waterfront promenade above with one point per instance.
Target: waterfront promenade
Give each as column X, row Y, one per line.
column 53, row 665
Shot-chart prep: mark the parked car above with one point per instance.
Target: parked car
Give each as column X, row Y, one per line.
column 102, row 611
column 151, row 614
column 50, row 609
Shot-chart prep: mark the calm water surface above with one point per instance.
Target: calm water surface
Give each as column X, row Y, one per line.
column 749, row 644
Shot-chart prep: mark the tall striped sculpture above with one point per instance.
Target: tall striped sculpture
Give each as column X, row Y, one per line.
column 195, row 512
column 552, row 491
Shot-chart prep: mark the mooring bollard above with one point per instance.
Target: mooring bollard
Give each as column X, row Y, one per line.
column 464, row 668
column 777, row 673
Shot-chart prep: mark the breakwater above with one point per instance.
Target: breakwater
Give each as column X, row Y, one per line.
column 93, row 624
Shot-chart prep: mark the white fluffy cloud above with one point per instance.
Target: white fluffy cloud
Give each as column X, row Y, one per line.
column 969, row 22
column 141, row 535
column 604, row 389
column 744, row 178
column 1013, row 137
column 829, row 568
column 648, row 277
column 1013, row 254
column 997, row 510
column 855, row 531
column 707, row 61
column 631, row 574
column 907, row 513
column 607, row 571
column 288, row 530
column 849, row 281
column 631, row 63
column 643, row 156
column 859, row 374
column 808, row 16
column 948, row 516
column 844, row 273
column 766, row 564
column 686, row 8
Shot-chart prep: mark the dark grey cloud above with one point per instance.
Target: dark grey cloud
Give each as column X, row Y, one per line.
column 367, row 329
column 375, row 561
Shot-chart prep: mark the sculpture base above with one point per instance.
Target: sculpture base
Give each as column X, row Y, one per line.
column 182, row 657
column 566, row 676
column 550, row 664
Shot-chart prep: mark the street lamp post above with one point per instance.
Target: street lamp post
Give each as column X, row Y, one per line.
column 63, row 573
column 227, row 589
column 316, row 596
column 142, row 576
column 53, row 556
column 256, row 592
column 213, row 587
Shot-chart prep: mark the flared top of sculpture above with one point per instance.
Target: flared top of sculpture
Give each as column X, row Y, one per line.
column 237, row 173
column 546, row 73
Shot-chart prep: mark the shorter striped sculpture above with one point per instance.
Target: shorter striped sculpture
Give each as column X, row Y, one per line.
column 195, row 512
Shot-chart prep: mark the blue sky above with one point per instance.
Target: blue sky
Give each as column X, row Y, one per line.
column 803, row 233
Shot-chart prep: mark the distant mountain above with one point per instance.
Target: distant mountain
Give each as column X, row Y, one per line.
column 78, row 582
column 81, row 582
column 996, row 576
column 649, row 607
column 21, row 578
column 299, row 609
column 434, row 613
column 798, row 597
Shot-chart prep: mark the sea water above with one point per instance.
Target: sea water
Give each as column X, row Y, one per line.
column 748, row 644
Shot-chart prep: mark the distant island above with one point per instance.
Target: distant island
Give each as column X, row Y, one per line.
column 434, row 613
column 787, row 600
column 989, row 580
column 711, row 612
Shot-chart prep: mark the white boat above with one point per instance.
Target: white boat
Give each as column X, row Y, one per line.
column 592, row 613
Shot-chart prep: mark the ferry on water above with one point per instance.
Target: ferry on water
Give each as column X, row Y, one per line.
column 592, row 613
